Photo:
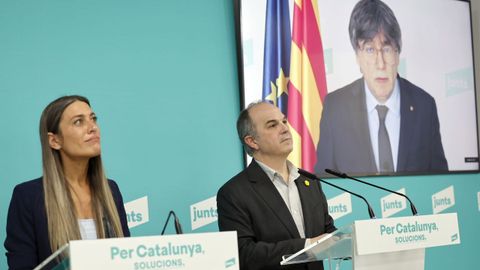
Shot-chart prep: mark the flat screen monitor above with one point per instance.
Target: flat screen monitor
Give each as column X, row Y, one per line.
column 436, row 56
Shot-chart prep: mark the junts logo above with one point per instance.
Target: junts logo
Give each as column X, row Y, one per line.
column 443, row 200
column 392, row 204
column 137, row 212
column 340, row 205
column 478, row 198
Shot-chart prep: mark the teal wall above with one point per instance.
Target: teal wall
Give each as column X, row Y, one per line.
column 161, row 76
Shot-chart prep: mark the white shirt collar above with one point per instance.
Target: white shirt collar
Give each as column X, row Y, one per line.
column 273, row 175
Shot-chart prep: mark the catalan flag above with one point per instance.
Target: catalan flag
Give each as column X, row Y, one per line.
column 307, row 88
column 276, row 54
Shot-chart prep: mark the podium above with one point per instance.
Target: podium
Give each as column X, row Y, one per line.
column 213, row 251
column 389, row 243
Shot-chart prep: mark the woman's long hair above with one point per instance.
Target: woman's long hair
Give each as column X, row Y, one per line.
column 60, row 209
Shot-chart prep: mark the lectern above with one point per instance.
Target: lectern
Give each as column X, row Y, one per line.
column 389, row 243
column 213, row 251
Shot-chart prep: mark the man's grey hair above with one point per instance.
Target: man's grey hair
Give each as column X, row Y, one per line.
column 371, row 17
column 245, row 126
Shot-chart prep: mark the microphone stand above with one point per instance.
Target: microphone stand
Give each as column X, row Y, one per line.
column 313, row 176
column 344, row 175
column 178, row 227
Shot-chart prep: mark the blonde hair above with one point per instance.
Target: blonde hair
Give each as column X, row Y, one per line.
column 59, row 206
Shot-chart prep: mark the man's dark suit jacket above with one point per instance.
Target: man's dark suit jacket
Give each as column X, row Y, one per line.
column 251, row 205
column 27, row 241
column 345, row 137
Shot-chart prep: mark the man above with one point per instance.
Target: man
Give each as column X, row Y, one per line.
column 381, row 123
column 274, row 210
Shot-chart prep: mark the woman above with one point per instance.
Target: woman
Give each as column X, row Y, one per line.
column 73, row 200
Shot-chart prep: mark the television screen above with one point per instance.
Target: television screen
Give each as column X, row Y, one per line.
column 414, row 57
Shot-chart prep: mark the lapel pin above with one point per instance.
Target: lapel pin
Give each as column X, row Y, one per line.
column 411, row 108
column 307, row 183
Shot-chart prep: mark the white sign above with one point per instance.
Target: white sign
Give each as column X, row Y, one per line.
column 404, row 233
column 203, row 213
column 340, row 205
column 443, row 200
column 393, row 204
column 137, row 212
column 213, row 251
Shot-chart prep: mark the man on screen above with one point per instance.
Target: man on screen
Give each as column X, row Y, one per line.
column 274, row 210
column 380, row 123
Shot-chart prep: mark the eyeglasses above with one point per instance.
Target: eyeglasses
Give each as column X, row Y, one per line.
column 389, row 53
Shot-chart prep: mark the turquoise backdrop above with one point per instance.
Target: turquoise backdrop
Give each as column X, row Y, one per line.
column 162, row 77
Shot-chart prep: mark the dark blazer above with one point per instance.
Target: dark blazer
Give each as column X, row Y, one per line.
column 345, row 144
column 250, row 204
column 27, row 242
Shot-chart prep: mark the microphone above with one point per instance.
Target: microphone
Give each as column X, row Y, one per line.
column 313, row 176
column 178, row 227
column 344, row 175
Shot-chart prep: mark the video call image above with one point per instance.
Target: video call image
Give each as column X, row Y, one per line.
column 400, row 90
